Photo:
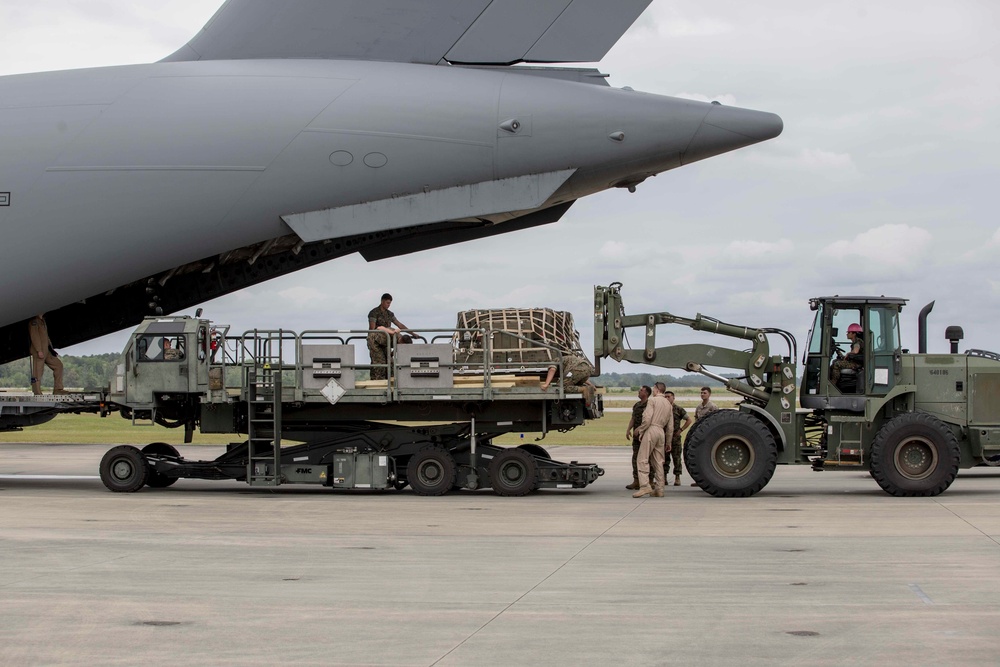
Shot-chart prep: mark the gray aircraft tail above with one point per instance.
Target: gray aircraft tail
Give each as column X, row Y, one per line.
column 482, row 32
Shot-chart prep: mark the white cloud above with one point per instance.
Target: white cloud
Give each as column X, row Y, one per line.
column 888, row 245
column 302, row 296
column 758, row 249
column 613, row 250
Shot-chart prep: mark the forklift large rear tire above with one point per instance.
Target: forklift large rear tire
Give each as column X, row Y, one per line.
column 431, row 471
column 731, row 455
column 513, row 472
column 157, row 480
column 915, row 454
column 124, row 469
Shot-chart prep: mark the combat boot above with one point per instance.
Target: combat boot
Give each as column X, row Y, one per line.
column 658, row 492
column 634, row 485
column 642, row 492
column 677, row 480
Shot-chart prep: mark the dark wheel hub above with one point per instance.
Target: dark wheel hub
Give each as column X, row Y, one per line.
column 513, row 472
column 122, row 469
column 430, row 472
column 916, row 458
column 732, row 456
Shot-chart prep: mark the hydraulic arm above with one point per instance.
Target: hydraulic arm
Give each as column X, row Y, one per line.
column 768, row 381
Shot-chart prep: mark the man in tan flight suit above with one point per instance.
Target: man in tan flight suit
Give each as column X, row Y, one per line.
column 43, row 355
column 656, row 430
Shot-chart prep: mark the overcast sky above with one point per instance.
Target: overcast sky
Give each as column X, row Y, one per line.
column 883, row 181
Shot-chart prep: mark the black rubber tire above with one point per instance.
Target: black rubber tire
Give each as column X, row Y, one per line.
column 536, row 450
column 732, row 454
column 513, row 472
column 157, row 480
column 431, row 471
column 689, row 437
column 124, row 469
column 915, row 454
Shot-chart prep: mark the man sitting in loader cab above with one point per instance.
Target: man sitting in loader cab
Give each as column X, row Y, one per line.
column 854, row 359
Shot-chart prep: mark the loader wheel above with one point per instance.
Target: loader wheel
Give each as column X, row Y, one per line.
column 431, row 471
column 731, row 455
column 157, row 480
column 124, row 469
column 513, row 473
column 915, row 454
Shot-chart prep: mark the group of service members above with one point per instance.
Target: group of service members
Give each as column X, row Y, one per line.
column 658, row 420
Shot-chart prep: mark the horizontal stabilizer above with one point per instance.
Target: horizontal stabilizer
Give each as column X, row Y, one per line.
column 521, row 193
column 415, row 31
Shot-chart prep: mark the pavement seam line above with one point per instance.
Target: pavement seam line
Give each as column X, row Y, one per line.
column 966, row 521
column 544, row 579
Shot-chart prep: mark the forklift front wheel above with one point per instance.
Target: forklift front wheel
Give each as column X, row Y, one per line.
column 124, row 469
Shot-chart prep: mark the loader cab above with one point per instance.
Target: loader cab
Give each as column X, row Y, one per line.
column 165, row 357
column 875, row 373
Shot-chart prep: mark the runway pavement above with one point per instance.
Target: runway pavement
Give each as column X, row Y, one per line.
column 818, row 569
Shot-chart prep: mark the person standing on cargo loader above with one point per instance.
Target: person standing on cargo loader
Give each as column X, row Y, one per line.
column 383, row 320
column 656, row 429
column 43, row 355
column 681, row 421
column 633, row 423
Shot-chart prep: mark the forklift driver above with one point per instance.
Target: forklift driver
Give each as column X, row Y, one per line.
column 854, row 359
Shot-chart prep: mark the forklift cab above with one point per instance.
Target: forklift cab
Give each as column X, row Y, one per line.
column 881, row 355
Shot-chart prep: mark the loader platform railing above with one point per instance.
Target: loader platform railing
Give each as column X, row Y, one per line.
column 464, row 363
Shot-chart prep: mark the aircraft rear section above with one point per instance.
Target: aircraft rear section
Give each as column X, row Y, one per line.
column 309, row 419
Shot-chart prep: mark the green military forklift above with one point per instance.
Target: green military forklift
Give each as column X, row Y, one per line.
column 911, row 420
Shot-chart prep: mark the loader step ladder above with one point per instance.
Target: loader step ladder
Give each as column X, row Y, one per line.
column 264, row 412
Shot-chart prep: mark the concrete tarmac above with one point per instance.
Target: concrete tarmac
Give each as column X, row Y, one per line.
column 818, row 569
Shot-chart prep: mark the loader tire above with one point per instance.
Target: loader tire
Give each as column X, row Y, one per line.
column 124, row 469
column 915, row 454
column 731, row 455
column 431, row 471
column 157, row 480
column 513, row 472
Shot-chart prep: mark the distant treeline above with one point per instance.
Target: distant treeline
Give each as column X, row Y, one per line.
column 636, row 380
column 90, row 372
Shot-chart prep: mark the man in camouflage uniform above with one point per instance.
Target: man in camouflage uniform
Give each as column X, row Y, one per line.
column 576, row 374
column 43, row 355
column 681, row 421
column 704, row 409
column 383, row 320
column 632, row 433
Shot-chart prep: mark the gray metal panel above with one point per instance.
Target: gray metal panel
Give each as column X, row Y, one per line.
column 586, row 31
column 506, row 31
column 522, row 193
column 425, row 366
column 414, row 31
column 321, row 363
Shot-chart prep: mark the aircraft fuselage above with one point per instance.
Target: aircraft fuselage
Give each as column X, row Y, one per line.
column 120, row 173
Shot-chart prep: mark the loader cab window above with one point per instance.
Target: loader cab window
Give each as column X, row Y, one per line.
column 843, row 318
column 884, row 343
column 883, row 328
column 816, row 334
column 160, row 348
